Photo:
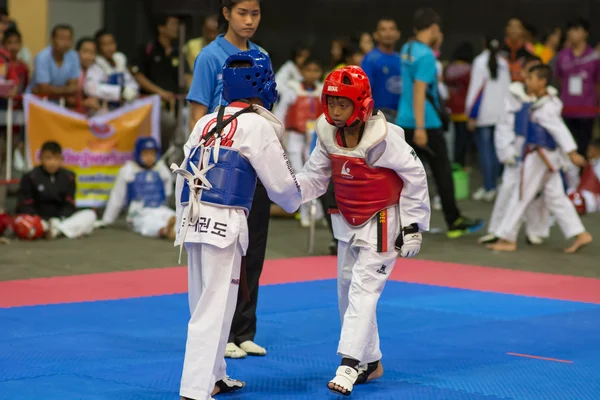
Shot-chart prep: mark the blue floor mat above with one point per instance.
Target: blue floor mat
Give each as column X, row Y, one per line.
column 438, row 343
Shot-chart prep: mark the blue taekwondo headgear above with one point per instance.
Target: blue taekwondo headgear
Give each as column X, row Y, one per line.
column 257, row 80
column 144, row 143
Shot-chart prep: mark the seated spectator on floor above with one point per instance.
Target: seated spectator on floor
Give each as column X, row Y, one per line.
column 84, row 104
column 143, row 185
column 57, row 68
column 48, row 192
column 109, row 79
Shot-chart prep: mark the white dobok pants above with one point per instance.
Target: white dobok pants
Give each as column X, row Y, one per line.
column 537, row 177
column 79, row 224
column 148, row 221
column 362, row 274
column 213, row 281
column 537, row 216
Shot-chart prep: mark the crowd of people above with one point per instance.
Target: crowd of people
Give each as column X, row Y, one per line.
column 372, row 115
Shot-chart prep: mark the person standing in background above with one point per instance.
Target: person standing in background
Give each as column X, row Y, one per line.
column 210, row 30
column 515, row 47
column 488, row 88
column 240, row 18
column 156, row 70
column 382, row 66
column 578, row 73
column 365, row 42
column 547, row 48
column 291, row 70
column 419, row 115
column 457, row 77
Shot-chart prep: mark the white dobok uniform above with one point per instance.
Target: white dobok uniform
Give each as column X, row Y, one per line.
column 509, row 140
column 214, row 194
column 299, row 109
column 380, row 185
column 144, row 192
column 111, row 82
column 547, row 142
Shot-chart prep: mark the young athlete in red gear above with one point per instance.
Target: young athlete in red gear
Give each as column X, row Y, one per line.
column 380, row 185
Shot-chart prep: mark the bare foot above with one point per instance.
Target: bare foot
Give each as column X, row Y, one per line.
column 171, row 235
column 581, row 240
column 502, row 245
column 336, row 388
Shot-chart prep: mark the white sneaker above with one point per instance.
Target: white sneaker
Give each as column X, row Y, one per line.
column 437, row 203
column 479, row 194
column 232, row 351
column 253, row 349
column 490, row 195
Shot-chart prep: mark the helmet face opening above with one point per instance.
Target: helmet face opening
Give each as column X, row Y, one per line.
column 248, row 75
column 352, row 83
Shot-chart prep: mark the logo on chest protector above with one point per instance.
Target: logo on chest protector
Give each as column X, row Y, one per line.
column 346, row 171
column 381, row 270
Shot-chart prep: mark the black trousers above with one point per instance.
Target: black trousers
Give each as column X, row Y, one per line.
column 582, row 130
column 437, row 158
column 243, row 327
column 462, row 142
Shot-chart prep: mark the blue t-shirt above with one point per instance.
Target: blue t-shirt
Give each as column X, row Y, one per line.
column 418, row 63
column 46, row 71
column 383, row 70
column 207, row 83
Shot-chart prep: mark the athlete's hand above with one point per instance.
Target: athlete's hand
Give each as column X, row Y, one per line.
column 412, row 245
column 420, row 138
column 577, row 159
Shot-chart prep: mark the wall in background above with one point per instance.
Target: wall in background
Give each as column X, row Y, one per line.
column 85, row 16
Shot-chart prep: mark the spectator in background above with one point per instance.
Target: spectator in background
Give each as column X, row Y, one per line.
column 547, row 48
column 7, row 23
column 515, row 47
column 57, row 68
column 437, row 52
column 108, row 79
column 488, row 88
column 457, row 77
column 16, row 70
column 210, row 30
column 365, row 42
column 530, row 33
column 291, row 70
column 419, row 116
column 84, row 104
column 337, row 53
column 156, row 70
column 578, row 72
column 382, row 66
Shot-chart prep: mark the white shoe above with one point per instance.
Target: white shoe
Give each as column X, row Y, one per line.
column 479, row 194
column 253, row 349
column 534, row 240
column 490, row 195
column 437, row 203
column 232, row 351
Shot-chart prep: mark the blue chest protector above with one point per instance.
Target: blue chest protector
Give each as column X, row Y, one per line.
column 538, row 136
column 117, row 78
column 233, row 180
column 522, row 120
column 147, row 187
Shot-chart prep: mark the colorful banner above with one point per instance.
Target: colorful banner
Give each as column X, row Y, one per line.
column 95, row 148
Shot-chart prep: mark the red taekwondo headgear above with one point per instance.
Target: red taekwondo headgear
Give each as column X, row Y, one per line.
column 358, row 91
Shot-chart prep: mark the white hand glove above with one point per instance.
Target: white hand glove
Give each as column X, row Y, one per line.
column 412, row 245
column 99, row 224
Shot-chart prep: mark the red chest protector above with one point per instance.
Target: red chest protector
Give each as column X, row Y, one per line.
column 589, row 180
column 361, row 191
column 307, row 107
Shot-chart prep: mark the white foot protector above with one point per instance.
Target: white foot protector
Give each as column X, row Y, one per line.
column 232, row 351
column 253, row 349
column 344, row 377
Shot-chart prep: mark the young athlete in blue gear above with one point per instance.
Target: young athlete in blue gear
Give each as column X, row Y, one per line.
column 143, row 185
column 225, row 154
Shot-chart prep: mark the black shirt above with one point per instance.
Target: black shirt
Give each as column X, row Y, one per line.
column 160, row 68
column 49, row 196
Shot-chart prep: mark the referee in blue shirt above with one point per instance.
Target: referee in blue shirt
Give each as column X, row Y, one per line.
column 241, row 19
column 420, row 115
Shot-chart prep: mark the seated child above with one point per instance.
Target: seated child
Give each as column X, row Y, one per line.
column 144, row 186
column 48, row 192
column 586, row 198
